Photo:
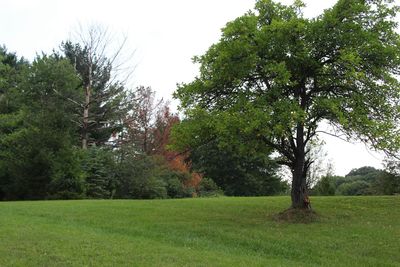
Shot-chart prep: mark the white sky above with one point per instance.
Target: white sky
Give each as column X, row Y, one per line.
column 165, row 35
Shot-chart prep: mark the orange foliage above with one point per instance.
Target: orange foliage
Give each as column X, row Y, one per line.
column 176, row 161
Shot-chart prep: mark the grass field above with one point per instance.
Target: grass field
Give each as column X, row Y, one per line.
column 351, row 231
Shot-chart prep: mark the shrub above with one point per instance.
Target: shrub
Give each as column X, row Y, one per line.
column 208, row 187
column 100, row 172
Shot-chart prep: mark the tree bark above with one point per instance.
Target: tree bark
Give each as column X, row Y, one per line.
column 88, row 88
column 299, row 192
column 85, row 134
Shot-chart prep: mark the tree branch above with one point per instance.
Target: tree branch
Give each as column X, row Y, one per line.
column 331, row 134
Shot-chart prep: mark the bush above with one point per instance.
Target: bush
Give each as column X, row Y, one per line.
column 100, row 172
column 208, row 188
column 140, row 176
column 175, row 184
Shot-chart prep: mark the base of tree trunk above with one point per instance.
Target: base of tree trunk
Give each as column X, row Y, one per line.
column 292, row 215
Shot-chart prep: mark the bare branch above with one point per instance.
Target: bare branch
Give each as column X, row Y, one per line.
column 334, row 135
column 67, row 98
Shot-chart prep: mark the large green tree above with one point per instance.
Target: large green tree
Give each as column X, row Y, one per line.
column 281, row 74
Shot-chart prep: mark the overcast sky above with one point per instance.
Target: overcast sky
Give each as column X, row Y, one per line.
column 165, row 35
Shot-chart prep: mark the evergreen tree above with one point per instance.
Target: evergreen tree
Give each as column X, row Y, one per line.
column 103, row 103
column 36, row 149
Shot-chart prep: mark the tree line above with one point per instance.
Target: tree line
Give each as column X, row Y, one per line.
column 70, row 128
column 361, row 181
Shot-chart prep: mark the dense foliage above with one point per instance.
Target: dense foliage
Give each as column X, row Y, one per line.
column 236, row 172
column 69, row 129
column 42, row 127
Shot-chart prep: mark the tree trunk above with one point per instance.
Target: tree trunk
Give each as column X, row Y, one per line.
column 85, row 121
column 85, row 127
column 299, row 192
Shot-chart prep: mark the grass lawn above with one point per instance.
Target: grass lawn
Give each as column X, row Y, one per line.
column 351, row 231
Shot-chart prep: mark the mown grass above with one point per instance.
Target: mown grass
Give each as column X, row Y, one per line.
column 350, row 231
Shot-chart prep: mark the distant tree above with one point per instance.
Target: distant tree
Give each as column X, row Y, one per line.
column 103, row 102
column 143, row 144
column 279, row 74
column 164, row 121
column 320, row 167
column 360, row 181
column 366, row 173
column 37, row 157
column 354, row 188
column 12, row 70
column 140, row 120
column 178, row 162
column 236, row 172
column 325, row 186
